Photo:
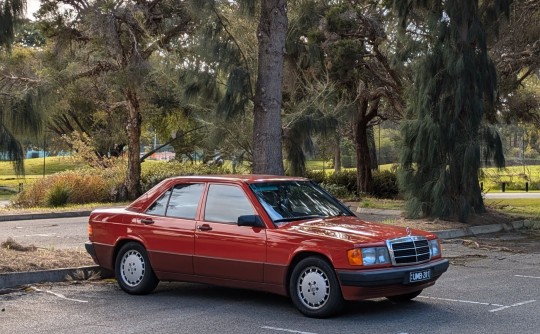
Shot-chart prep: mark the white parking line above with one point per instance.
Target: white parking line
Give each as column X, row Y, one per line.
column 59, row 295
column 285, row 330
column 523, row 276
column 461, row 301
column 514, row 305
column 499, row 306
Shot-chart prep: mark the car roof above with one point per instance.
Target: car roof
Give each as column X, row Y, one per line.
column 140, row 203
column 248, row 178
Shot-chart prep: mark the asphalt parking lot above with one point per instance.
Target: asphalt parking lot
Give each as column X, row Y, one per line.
column 492, row 286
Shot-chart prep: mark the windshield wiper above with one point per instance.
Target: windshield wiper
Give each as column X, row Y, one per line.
column 290, row 219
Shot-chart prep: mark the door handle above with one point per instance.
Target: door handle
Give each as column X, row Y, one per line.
column 147, row 221
column 204, row 227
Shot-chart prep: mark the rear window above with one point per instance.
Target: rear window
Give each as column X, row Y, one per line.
column 180, row 202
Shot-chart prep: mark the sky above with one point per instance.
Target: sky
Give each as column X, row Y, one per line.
column 31, row 7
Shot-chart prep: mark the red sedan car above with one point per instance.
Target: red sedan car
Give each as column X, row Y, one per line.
column 277, row 234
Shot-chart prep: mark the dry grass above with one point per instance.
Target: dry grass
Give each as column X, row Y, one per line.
column 490, row 217
column 16, row 258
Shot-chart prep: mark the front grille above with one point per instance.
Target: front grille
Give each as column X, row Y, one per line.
column 409, row 250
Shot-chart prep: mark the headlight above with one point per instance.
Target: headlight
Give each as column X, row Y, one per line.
column 434, row 248
column 368, row 256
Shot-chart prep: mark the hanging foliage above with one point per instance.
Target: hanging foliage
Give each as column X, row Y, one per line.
column 444, row 136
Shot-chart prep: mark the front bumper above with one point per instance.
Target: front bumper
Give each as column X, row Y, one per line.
column 390, row 276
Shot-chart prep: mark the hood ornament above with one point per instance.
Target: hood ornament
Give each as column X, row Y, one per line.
column 408, row 231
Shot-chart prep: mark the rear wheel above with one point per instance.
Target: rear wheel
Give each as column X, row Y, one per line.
column 314, row 288
column 133, row 270
column 405, row 297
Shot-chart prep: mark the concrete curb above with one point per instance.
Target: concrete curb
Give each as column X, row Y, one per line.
column 485, row 229
column 48, row 215
column 382, row 212
column 10, row 280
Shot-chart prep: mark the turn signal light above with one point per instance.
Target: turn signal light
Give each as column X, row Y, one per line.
column 355, row 257
column 90, row 230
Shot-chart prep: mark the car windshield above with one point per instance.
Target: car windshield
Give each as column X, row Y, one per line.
column 286, row 201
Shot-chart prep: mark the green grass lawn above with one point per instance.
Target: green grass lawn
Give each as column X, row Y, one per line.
column 514, row 177
column 35, row 166
column 528, row 207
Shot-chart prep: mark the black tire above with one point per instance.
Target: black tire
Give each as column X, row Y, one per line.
column 133, row 270
column 314, row 288
column 405, row 297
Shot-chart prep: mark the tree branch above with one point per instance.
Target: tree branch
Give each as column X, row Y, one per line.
column 101, row 67
column 161, row 42
column 167, row 143
column 242, row 54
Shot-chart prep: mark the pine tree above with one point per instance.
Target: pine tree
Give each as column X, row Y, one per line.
column 113, row 41
column 11, row 12
column 445, row 136
column 18, row 106
column 267, row 134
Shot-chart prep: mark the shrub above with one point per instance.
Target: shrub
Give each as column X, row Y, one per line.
column 385, row 184
column 336, row 190
column 154, row 173
column 75, row 187
column 345, row 178
column 317, row 176
column 58, row 195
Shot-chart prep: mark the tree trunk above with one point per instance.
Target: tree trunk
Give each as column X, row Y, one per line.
column 477, row 200
column 363, row 161
column 372, row 148
column 267, row 132
column 133, row 129
column 363, row 158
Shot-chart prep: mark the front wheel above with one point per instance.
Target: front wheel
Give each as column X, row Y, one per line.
column 133, row 270
column 314, row 288
column 405, row 297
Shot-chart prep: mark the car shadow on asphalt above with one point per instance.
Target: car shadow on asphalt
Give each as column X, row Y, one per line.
column 209, row 296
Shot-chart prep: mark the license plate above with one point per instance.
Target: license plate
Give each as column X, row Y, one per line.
column 419, row 276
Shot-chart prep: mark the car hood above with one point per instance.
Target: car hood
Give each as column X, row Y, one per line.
column 351, row 229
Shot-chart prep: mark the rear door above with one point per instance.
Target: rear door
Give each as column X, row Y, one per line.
column 168, row 228
column 222, row 248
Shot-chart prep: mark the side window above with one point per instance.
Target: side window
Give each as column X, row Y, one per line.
column 185, row 200
column 159, row 207
column 224, row 204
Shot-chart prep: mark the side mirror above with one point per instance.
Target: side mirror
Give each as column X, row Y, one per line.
column 250, row 220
